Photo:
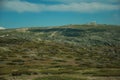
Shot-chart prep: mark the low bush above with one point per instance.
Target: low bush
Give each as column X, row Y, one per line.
column 23, row 72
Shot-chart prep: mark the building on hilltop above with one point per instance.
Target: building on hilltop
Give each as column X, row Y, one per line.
column 92, row 23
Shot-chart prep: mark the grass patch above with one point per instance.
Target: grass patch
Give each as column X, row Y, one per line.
column 59, row 78
column 59, row 71
column 4, row 71
column 2, row 78
column 104, row 72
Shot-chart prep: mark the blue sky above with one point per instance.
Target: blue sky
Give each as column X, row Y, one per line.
column 35, row 13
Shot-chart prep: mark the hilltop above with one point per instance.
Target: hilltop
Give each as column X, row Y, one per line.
column 86, row 50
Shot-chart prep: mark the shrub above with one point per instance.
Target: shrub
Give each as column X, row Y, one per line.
column 60, row 71
column 25, row 72
column 59, row 60
column 18, row 60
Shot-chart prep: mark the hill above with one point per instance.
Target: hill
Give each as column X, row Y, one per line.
column 86, row 50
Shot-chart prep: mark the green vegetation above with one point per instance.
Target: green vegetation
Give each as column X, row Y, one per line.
column 104, row 72
column 59, row 78
column 80, row 52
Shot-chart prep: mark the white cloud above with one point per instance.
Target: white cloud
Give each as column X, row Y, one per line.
column 24, row 6
column 83, row 7
column 75, row 1
column 2, row 28
column 113, row 1
column 21, row 6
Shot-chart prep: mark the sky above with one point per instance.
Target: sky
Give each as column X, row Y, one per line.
column 41, row 13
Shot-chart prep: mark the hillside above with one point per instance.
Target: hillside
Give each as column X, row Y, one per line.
column 81, row 52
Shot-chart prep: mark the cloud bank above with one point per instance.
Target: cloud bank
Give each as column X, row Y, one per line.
column 66, row 5
column 75, row 1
